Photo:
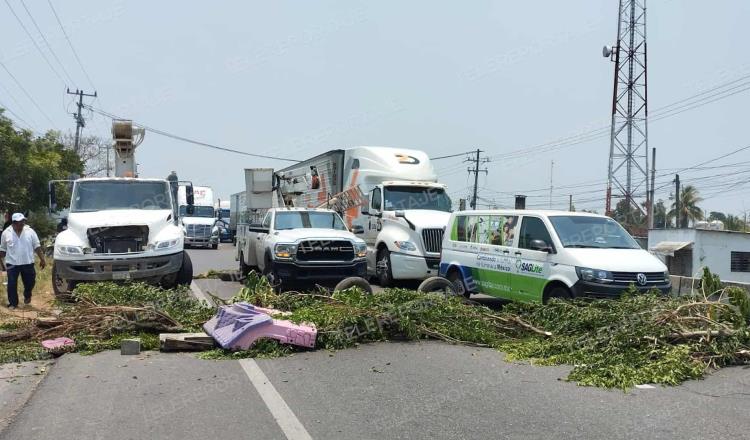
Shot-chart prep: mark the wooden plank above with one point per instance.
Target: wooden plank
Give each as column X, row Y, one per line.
column 185, row 342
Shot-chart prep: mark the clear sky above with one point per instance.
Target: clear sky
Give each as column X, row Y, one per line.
column 294, row 79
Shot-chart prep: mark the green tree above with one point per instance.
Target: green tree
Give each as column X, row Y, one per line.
column 629, row 215
column 689, row 210
column 28, row 163
column 661, row 220
column 734, row 223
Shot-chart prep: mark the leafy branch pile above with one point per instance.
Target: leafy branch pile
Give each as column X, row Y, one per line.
column 642, row 338
column 102, row 314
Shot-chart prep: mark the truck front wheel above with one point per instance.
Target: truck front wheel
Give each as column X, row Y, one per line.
column 185, row 275
column 383, row 268
column 62, row 289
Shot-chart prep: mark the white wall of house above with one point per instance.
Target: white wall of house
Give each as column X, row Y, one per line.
column 712, row 249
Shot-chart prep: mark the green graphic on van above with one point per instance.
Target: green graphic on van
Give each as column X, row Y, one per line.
column 528, row 267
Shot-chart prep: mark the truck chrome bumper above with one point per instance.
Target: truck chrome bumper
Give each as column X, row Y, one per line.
column 119, row 268
column 412, row 267
column 201, row 241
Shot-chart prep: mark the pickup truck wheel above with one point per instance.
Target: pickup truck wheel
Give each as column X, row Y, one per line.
column 270, row 274
column 215, row 246
column 244, row 268
column 383, row 268
column 185, row 274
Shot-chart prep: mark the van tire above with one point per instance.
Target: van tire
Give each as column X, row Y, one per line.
column 185, row 274
column 383, row 269
column 454, row 276
column 557, row 291
column 438, row 285
column 350, row 282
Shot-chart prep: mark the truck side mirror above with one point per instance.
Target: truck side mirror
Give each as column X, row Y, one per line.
column 358, row 229
column 52, row 197
column 365, row 210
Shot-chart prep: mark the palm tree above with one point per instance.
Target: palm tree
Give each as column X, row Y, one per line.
column 689, row 210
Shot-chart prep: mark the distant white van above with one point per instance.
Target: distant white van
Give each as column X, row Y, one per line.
column 531, row 256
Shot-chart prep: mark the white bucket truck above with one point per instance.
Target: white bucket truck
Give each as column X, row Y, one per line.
column 200, row 226
column 121, row 228
column 390, row 197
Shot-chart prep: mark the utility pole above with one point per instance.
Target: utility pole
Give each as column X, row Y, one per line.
column 651, row 190
column 570, row 202
column 551, row 170
column 80, row 123
column 677, row 200
column 477, row 161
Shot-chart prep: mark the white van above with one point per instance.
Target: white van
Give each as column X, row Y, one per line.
column 531, row 256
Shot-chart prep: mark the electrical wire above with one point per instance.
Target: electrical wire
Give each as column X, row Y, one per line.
column 25, row 125
column 49, row 47
column 28, row 96
column 70, row 43
column 39, row 49
column 188, row 140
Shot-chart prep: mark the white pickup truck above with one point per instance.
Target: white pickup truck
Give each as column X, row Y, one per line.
column 301, row 247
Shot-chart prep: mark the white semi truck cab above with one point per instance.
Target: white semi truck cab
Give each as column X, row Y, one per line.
column 403, row 223
column 121, row 228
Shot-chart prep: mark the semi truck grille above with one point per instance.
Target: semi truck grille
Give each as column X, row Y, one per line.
column 198, row 231
column 322, row 250
column 632, row 277
column 118, row 239
column 432, row 239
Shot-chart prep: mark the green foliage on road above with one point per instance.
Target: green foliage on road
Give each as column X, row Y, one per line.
column 641, row 338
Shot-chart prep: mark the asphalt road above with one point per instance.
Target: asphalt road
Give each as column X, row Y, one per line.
column 423, row 390
column 217, row 259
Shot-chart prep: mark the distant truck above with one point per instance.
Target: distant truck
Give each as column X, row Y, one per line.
column 222, row 209
column 199, row 226
column 121, row 228
column 296, row 246
column 388, row 196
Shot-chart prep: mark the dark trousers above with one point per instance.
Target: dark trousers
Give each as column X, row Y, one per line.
column 28, row 276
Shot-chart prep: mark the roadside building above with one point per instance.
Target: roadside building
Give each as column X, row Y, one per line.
column 687, row 251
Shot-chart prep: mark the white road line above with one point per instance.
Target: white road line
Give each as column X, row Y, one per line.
column 287, row 421
column 198, row 293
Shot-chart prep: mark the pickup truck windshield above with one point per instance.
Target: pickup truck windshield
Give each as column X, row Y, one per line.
column 591, row 232
column 304, row 219
column 198, row 211
column 410, row 197
column 102, row 195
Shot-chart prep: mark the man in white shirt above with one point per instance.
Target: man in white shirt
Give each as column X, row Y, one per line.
column 18, row 243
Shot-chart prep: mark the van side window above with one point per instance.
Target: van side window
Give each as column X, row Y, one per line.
column 376, row 199
column 496, row 230
column 532, row 228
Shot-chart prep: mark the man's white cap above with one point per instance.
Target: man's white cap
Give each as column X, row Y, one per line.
column 18, row 217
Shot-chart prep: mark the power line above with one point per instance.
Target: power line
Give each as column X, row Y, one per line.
column 70, row 43
column 25, row 125
column 452, row 155
column 188, row 140
column 28, row 96
column 39, row 49
column 19, row 106
column 49, row 47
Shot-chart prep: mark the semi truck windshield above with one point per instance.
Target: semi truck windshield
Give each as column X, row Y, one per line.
column 198, row 211
column 410, row 197
column 106, row 195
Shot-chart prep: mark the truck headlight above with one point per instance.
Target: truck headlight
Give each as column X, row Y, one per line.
column 284, row 251
column 594, row 275
column 167, row 244
column 360, row 250
column 70, row 250
column 405, row 245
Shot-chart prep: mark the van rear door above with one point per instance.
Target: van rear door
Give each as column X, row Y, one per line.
column 532, row 262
